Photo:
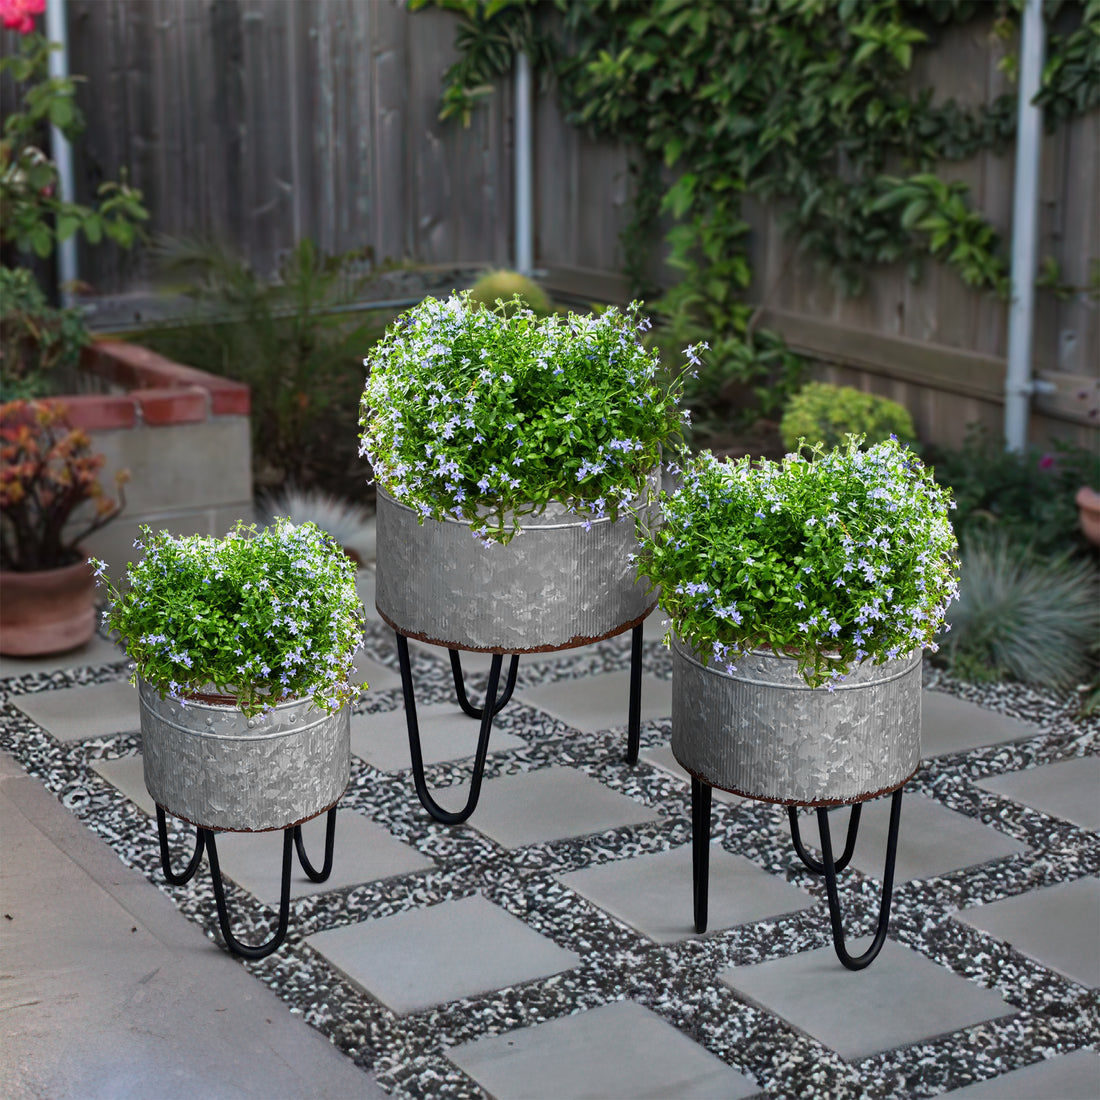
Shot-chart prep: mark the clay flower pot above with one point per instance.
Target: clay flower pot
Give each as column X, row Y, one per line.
column 1088, row 506
column 47, row 611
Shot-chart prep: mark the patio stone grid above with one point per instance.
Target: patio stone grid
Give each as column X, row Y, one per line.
column 678, row 981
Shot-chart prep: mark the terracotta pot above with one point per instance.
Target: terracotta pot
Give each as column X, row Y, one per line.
column 1088, row 506
column 51, row 611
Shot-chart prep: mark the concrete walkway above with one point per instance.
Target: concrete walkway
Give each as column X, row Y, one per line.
column 545, row 949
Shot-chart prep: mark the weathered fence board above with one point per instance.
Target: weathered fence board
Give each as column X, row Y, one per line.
column 261, row 122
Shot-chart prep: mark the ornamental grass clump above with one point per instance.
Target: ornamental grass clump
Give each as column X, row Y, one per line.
column 262, row 616
column 489, row 415
column 837, row 558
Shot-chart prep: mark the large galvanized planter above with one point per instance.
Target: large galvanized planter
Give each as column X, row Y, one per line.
column 564, row 581
column 208, row 764
column 763, row 733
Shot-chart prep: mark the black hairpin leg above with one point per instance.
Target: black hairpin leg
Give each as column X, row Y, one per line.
column 188, row 872
column 447, row 817
column 849, row 843
column 858, row 962
column 292, row 839
column 460, row 686
column 700, row 850
column 634, row 712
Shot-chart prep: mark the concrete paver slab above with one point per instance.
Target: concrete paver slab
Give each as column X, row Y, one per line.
column 653, row 893
column 378, row 676
column 127, row 773
column 96, row 651
column 1073, row 1076
column 620, row 1049
column 932, row 840
column 1069, row 789
column 363, row 852
column 600, row 702
column 1058, row 926
column 430, row 956
column 110, row 993
column 661, row 757
column 950, row 725
column 382, row 740
column 903, row 997
column 551, row 804
column 77, row 713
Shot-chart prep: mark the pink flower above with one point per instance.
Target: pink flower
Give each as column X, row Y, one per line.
column 18, row 15
column 1046, row 462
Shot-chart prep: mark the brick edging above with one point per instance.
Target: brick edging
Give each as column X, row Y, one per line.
column 159, row 391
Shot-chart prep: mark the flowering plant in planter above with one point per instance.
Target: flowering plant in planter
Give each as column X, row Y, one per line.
column 487, row 414
column 47, row 469
column 841, row 557
column 263, row 616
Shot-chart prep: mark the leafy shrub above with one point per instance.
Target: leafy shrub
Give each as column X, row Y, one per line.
column 823, row 413
column 845, row 558
column 491, row 414
column 506, row 286
column 302, row 361
column 264, row 616
column 1028, row 495
column 1021, row 616
column 35, row 338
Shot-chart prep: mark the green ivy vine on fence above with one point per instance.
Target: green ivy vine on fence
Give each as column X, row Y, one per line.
column 800, row 103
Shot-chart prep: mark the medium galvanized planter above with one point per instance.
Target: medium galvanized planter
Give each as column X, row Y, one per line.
column 563, row 582
column 206, row 763
column 763, row 733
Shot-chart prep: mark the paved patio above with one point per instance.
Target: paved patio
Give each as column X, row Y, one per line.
column 545, row 949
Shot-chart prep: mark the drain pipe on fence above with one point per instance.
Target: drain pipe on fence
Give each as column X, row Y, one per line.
column 522, row 137
column 57, row 31
column 1019, row 383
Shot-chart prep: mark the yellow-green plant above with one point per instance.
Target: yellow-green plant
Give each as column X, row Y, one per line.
column 823, row 413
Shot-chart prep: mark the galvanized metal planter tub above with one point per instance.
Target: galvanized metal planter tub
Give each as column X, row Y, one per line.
column 554, row 586
column 763, row 733
column 208, row 764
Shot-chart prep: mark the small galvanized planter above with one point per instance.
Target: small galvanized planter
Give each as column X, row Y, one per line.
column 762, row 732
column 209, row 765
column 564, row 581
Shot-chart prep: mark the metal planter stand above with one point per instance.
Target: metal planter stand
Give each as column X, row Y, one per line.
column 208, row 765
column 564, row 582
column 762, row 733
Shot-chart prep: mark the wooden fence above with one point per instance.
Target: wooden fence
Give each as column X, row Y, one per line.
column 265, row 121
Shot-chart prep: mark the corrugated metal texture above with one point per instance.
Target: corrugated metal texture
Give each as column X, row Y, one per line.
column 555, row 585
column 762, row 732
column 209, row 765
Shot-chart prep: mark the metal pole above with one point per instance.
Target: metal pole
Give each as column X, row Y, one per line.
column 1018, row 382
column 525, row 259
column 57, row 31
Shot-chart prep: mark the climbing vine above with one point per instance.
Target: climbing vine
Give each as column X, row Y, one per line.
column 802, row 103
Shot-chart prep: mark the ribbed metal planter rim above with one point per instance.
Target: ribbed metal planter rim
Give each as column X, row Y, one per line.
column 211, row 766
column 763, row 733
column 554, row 586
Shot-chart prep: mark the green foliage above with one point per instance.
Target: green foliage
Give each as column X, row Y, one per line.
column 35, row 216
column 485, row 413
column 846, row 558
column 513, row 289
column 1021, row 615
column 35, row 338
column 821, row 413
column 1028, row 495
column 264, row 616
column 801, row 104
column 302, row 361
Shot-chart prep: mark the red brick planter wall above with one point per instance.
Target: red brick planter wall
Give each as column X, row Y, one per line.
column 182, row 433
